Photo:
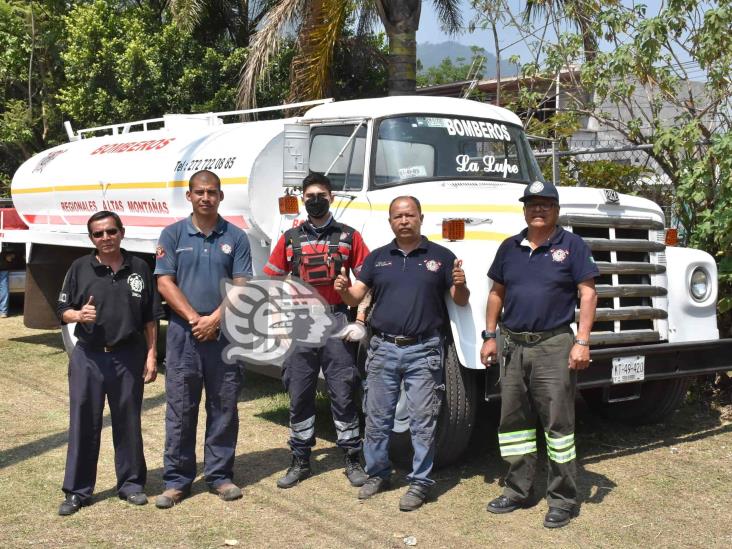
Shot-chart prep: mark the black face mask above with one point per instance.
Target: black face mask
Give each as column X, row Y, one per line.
column 317, row 206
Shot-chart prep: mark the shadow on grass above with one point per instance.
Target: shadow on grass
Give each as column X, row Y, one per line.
column 30, row 450
column 49, row 339
column 249, row 468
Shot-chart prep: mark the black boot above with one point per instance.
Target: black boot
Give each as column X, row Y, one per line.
column 299, row 470
column 354, row 471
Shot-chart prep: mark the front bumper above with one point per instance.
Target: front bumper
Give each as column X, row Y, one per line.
column 662, row 361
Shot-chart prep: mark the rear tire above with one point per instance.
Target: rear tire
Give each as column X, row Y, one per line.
column 457, row 416
column 658, row 399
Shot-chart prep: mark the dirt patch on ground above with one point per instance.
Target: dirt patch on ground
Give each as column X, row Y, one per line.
column 663, row 485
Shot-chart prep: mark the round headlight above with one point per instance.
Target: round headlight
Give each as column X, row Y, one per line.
column 699, row 284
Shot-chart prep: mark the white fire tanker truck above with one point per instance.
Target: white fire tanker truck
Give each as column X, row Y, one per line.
column 467, row 162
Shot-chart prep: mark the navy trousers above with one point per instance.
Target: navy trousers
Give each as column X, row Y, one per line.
column 191, row 366
column 94, row 374
column 300, row 378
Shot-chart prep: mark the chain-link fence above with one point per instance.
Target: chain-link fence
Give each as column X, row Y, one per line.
column 614, row 165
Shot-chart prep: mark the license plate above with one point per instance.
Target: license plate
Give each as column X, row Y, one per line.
column 627, row 369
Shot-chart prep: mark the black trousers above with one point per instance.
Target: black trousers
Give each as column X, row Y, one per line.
column 118, row 376
column 300, row 378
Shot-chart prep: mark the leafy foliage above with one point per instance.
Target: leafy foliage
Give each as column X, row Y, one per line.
column 641, row 85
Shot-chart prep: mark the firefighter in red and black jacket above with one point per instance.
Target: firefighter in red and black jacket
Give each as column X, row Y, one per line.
column 315, row 252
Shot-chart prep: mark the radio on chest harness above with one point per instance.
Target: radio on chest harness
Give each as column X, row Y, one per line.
column 319, row 262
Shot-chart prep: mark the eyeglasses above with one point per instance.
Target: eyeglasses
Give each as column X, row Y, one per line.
column 110, row 232
column 541, row 206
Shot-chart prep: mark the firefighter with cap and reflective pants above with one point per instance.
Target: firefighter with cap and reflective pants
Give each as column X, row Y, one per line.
column 537, row 276
column 317, row 251
column 111, row 296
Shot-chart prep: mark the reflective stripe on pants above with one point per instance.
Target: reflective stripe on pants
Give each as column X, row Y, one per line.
column 536, row 382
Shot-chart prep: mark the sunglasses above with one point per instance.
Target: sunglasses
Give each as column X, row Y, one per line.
column 539, row 206
column 109, row 232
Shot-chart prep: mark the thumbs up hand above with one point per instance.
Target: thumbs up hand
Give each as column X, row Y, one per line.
column 341, row 282
column 458, row 275
column 88, row 312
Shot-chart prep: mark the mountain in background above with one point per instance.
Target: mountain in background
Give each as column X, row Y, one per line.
column 431, row 55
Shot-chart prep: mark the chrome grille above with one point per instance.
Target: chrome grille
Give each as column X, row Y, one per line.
column 629, row 253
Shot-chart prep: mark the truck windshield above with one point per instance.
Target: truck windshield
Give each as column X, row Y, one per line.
column 420, row 147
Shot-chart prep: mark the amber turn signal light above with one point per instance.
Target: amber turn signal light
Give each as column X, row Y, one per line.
column 453, row 229
column 289, row 205
column 672, row 237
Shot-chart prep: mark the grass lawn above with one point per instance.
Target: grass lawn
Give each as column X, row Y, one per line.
column 666, row 485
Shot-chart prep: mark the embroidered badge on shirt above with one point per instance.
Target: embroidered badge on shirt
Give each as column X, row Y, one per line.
column 160, row 252
column 559, row 255
column 433, row 265
column 382, row 264
column 136, row 284
column 226, row 248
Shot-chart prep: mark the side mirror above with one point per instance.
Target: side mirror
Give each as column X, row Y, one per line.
column 296, row 154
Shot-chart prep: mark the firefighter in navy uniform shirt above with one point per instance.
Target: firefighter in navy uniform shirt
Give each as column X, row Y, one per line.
column 111, row 296
column 409, row 278
column 315, row 252
column 194, row 255
column 537, row 275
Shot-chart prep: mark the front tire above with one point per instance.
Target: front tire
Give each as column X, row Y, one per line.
column 457, row 416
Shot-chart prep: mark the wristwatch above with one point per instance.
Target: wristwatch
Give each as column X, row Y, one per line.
column 486, row 335
column 583, row 342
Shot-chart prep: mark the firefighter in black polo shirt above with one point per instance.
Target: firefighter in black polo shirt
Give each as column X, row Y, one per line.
column 111, row 296
column 537, row 275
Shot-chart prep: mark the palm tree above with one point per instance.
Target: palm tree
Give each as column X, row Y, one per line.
column 580, row 13
column 319, row 23
column 401, row 21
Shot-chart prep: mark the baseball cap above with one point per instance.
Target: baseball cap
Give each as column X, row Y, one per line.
column 540, row 189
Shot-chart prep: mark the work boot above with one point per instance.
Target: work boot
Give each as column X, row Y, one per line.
column 354, row 471
column 556, row 517
column 373, row 486
column 299, row 470
column 171, row 496
column 414, row 498
column 227, row 491
column 504, row 504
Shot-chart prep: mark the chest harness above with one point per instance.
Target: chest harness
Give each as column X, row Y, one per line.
column 317, row 259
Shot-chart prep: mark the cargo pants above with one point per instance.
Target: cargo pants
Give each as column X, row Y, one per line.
column 300, row 378
column 536, row 381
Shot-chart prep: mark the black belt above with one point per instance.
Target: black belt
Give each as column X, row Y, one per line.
column 404, row 341
column 111, row 348
column 533, row 338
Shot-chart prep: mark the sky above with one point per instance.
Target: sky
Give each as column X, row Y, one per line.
column 429, row 28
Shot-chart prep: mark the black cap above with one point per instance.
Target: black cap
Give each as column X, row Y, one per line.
column 541, row 189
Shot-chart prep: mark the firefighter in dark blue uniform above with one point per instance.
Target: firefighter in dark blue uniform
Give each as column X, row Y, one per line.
column 315, row 252
column 409, row 278
column 111, row 296
column 193, row 256
column 537, row 276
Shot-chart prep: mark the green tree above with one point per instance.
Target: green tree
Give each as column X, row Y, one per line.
column 453, row 71
column 318, row 25
column 125, row 63
column 30, row 72
column 643, row 88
